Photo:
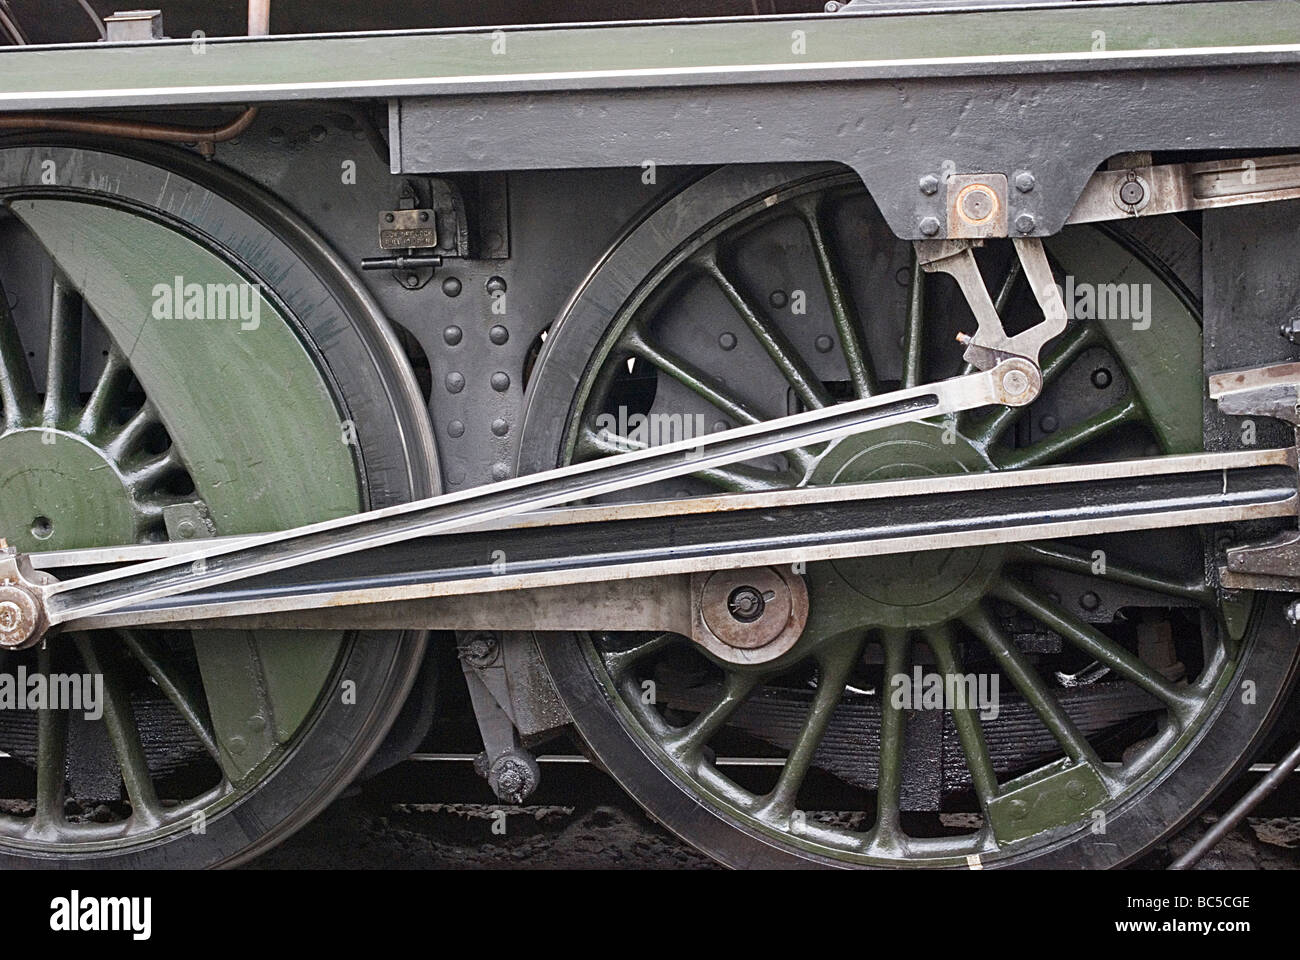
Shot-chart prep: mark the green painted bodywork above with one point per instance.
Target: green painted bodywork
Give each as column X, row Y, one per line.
column 223, row 71
column 253, row 421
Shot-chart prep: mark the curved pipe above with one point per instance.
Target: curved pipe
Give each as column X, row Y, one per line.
column 205, row 137
column 259, row 25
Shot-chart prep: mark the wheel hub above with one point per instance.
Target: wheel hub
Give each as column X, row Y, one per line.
column 912, row 589
column 58, row 491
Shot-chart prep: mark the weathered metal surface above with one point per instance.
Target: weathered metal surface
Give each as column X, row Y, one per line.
column 774, row 528
column 102, row 592
column 800, row 88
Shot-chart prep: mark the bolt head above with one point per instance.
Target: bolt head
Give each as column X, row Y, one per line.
column 20, row 617
column 929, row 184
column 1131, row 193
column 1025, row 223
column 929, row 226
column 977, row 205
column 1014, row 382
column 1025, row 181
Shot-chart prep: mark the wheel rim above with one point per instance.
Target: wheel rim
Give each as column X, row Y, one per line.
column 157, row 424
column 1154, row 397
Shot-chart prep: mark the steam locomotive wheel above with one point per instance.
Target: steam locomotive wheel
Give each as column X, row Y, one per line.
column 1118, row 692
column 179, row 357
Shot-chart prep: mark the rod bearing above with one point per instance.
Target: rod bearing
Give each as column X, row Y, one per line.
column 22, row 621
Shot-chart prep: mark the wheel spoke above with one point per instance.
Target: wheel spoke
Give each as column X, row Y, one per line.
column 107, row 395
column 130, row 438
column 736, row 478
column 177, row 689
column 893, row 724
column 969, row 732
column 17, row 392
column 861, row 373
column 153, row 472
column 1063, row 441
column 123, row 735
column 1096, row 644
column 620, row 663
column 639, row 344
column 835, row 668
column 51, row 758
column 991, row 429
column 792, row 366
column 1064, row 558
column 63, row 372
column 1031, row 686
column 735, row 691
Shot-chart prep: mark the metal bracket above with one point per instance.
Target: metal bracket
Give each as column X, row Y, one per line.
column 1271, row 391
column 977, row 205
column 510, row 770
column 991, row 344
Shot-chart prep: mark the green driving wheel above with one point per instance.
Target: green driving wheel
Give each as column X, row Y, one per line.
column 162, row 376
column 1059, row 703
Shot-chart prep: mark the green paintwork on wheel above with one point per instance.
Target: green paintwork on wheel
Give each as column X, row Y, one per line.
column 251, row 416
column 904, row 590
column 1161, row 349
column 902, row 600
column 58, row 492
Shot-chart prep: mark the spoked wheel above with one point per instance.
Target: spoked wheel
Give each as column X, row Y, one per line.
column 1107, row 691
column 175, row 352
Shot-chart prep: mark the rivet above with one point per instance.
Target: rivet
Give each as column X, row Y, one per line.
column 778, row 299
column 456, row 428
column 498, row 335
column 823, row 344
column 500, row 471
column 727, row 341
column 500, row 381
column 1090, row 601
column 451, row 286
column 500, row 427
column 455, row 382
column 452, row 335
column 495, row 285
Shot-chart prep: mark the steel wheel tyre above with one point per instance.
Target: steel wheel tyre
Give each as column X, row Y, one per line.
column 1086, row 775
column 171, row 339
